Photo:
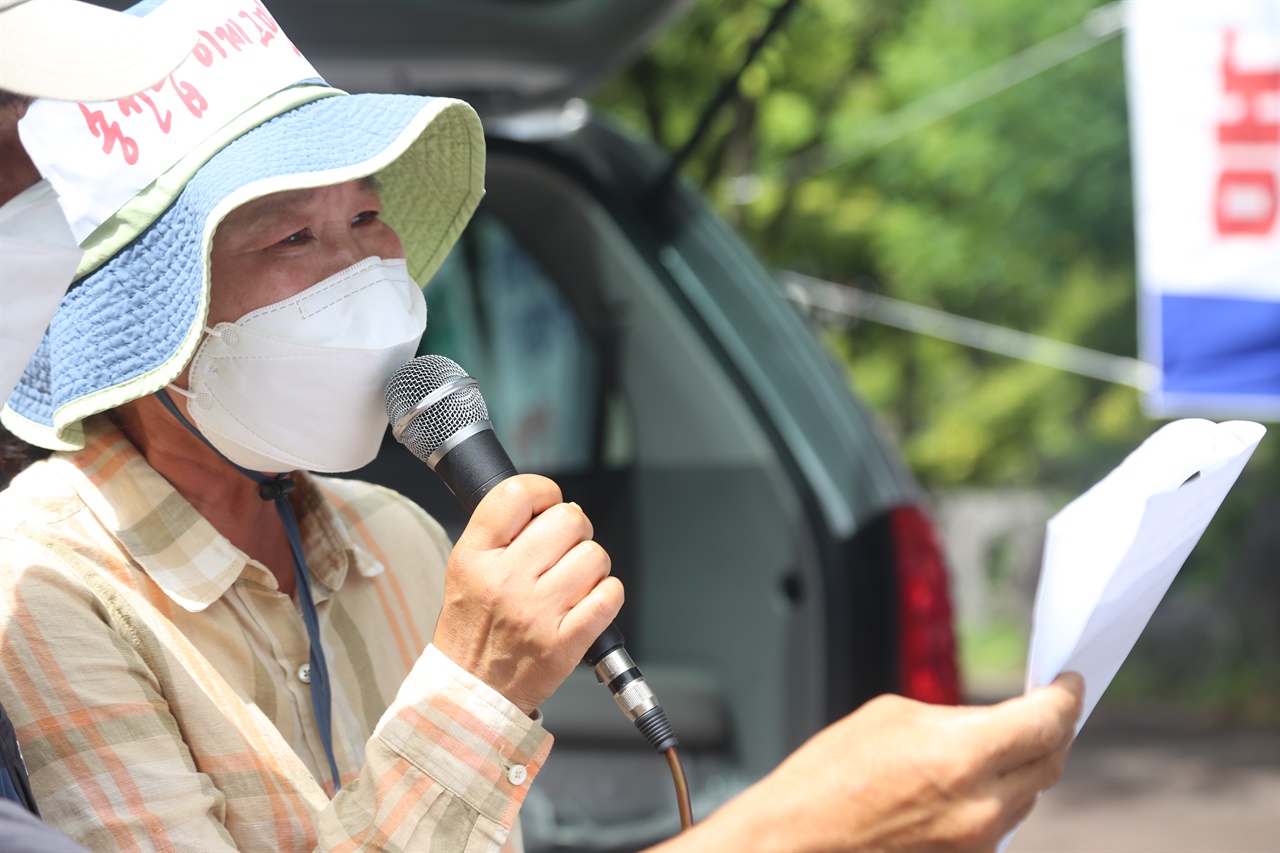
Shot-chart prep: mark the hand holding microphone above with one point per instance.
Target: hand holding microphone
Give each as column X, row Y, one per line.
column 527, row 590
column 527, row 593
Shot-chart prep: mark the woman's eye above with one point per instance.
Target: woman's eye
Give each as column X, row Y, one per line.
column 296, row 238
column 365, row 217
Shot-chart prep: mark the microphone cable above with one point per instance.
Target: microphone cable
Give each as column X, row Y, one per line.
column 682, row 788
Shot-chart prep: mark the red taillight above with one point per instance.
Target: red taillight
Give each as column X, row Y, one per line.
column 926, row 639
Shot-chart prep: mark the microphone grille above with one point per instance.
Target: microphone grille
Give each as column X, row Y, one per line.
column 428, row 430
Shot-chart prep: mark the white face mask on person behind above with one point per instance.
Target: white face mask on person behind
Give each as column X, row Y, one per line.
column 38, row 257
column 299, row 384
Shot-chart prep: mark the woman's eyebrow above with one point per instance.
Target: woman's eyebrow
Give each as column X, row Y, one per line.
column 276, row 207
column 266, row 210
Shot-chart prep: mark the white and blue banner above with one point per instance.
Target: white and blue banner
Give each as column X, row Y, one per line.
column 1204, row 104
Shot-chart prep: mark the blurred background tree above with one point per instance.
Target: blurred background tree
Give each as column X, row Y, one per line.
column 1016, row 210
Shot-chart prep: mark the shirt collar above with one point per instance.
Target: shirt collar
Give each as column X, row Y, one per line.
column 177, row 547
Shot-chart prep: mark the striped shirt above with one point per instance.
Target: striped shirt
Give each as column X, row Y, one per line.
column 154, row 672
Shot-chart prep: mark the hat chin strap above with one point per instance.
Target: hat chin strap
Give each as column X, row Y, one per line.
column 277, row 488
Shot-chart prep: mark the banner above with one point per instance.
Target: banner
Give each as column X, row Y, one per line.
column 98, row 156
column 1204, row 104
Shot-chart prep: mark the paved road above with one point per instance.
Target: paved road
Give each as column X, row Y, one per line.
column 1131, row 788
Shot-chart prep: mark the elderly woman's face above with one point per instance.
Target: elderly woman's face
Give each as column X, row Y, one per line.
column 283, row 243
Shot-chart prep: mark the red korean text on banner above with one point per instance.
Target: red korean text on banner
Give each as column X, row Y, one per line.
column 130, row 105
column 191, row 97
column 111, row 134
column 233, row 35
column 261, row 13
column 265, row 34
column 1247, row 198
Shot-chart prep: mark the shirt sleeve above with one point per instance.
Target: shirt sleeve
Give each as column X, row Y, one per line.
column 447, row 768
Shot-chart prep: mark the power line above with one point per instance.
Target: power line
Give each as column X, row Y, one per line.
column 1101, row 25
column 848, row 301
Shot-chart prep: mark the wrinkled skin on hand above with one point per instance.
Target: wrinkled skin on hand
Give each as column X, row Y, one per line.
column 526, row 592
column 899, row 775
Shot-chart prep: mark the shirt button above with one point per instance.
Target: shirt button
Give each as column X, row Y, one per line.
column 304, row 673
column 517, row 774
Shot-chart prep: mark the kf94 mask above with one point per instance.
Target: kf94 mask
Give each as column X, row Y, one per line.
column 299, row 384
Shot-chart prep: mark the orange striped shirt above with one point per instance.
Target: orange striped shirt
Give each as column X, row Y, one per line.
column 153, row 672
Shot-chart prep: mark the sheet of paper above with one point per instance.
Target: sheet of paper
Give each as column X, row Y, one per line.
column 1111, row 554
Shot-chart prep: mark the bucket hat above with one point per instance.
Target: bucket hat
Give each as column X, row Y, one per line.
column 79, row 52
column 130, row 325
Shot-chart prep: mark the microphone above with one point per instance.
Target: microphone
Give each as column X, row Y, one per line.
column 436, row 411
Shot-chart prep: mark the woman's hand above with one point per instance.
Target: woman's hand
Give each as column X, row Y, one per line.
column 527, row 591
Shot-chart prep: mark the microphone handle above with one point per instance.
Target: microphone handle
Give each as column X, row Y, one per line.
column 472, row 461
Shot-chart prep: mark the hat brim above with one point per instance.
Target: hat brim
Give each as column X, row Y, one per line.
column 74, row 51
column 129, row 328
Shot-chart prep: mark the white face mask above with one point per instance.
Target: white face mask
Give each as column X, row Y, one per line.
column 299, row 384
column 39, row 257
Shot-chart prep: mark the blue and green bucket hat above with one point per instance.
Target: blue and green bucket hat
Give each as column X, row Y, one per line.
column 133, row 318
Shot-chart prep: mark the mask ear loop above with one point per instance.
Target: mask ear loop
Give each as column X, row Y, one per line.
column 277, row 489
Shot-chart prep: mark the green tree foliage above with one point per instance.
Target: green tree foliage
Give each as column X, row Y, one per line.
column 1016, row 210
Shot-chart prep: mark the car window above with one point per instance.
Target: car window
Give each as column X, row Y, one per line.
column 493, row 309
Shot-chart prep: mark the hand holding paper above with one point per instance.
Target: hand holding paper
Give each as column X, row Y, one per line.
column 1111, row 554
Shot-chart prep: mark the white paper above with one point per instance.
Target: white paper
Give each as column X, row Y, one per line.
column 1111, row 554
